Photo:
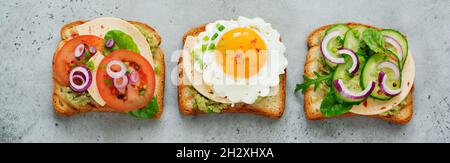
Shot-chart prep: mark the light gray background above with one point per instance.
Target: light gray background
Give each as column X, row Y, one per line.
column 29, row 31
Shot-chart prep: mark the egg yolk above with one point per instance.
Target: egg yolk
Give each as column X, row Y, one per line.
column 241, row 52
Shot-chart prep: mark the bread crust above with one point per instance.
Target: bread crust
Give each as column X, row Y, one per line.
column 312, row 98
column 186, row 98
column 63, row 107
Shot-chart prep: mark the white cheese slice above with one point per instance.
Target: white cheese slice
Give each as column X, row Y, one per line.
column 375, row 107
column 93, row 90
column 195, row 78
column 99, row 27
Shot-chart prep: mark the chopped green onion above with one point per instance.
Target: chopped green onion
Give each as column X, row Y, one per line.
column 220, row 27
column 214, row 36
column 212, row 47
column 206, row 38
column 204, row 46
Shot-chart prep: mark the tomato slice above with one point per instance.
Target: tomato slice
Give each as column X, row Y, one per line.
column 132, row 97
column 65, row 58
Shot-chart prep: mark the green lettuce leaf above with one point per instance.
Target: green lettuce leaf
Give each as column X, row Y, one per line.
column 122, row 41
column 331, row 107
column 374, row 40
column 148, row 112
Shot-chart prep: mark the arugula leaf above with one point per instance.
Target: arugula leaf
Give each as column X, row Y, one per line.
column 332, row 107
column 146, row 113
column 374, row 39
column 308, row 81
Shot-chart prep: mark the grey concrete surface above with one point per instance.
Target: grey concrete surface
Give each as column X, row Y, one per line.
column 29, row 31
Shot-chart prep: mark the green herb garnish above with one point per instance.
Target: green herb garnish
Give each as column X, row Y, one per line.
column 206, row 38
column 108, row 82
column 204, row 46
column 308, row 81
column 212, row 47
column 87, row 54
column 220, row 27
column 340, row 40
column 214, row 36
column 90, row 65
column 142, row 91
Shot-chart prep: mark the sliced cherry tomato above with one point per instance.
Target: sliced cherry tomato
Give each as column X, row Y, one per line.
column 134, row 96
column 65, row 58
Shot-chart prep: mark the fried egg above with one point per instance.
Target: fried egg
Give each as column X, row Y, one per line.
column 240, row 60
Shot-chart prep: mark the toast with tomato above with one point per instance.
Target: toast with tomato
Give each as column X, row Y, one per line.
column 109, row 65
column 195, row 96
column 376, row 49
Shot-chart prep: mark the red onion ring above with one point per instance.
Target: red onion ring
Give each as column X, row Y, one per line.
column 396, row 45
column 339, row 85
column 80, row 50
column 110, row 43
column 134, row 77
column 115, row 75
column 121, row 85
column 84, row 74
column 92, row 50
column 355, row 60
column 391, row 66
column 382, row 77
column 82, row 78
column 324, row 48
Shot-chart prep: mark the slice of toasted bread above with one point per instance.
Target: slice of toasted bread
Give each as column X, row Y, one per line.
column 272, row 107
column 63, row 107
column 313, row 99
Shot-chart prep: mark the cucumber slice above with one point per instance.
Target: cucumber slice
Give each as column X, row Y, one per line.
column 370, row 73
column 341, row 27
column 334, row 44
column 351, row 41
column 358, row 31
column 401, row 40
column 351, row 82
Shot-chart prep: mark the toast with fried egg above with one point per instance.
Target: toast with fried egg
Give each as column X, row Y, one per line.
column 270, row 106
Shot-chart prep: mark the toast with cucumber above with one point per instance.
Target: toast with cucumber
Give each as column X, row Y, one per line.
column 354, row 69
column 109, row 65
